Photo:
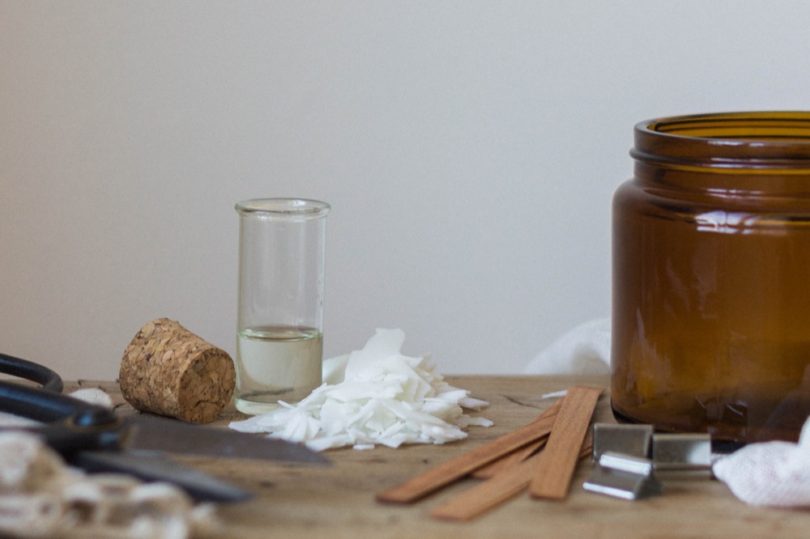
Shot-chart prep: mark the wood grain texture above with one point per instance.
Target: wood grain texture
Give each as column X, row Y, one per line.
column 433, row 479
column 491, row 493
column 518, row 455
column 511, row 459
column 337, row 502
column 510, row 481
column 555, row 465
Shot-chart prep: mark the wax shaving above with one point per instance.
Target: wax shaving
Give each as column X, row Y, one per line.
column 93, row 395
column 374, row 396
column 554, row 394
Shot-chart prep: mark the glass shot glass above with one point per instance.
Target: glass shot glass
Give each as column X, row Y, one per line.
column 280, row 307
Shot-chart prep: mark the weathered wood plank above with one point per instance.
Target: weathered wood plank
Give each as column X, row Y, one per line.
column 338, row 502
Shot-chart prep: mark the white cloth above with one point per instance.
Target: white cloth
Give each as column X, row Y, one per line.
column 584, row 349
column 770, row 473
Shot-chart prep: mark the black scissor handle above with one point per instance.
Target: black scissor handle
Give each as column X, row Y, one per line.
column 72, row 424
column 22, row 368
column 47, row 404
column 48, row 407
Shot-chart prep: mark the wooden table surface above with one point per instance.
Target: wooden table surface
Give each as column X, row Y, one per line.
column 338, row 501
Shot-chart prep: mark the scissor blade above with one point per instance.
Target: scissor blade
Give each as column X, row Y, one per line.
column 157, row 434
column 156, row 467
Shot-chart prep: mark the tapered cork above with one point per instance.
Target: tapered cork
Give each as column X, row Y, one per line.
column 170, row 371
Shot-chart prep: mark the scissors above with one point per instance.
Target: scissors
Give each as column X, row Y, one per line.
column 95, row 439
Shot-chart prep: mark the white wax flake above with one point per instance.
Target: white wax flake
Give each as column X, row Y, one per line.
column 374, row 396
column 93, row 395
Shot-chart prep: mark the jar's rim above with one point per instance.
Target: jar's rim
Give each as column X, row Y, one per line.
column 758, row 139
column 302, row 208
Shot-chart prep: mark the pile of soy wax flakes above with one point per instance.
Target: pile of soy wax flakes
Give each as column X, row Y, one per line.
column 374, row 396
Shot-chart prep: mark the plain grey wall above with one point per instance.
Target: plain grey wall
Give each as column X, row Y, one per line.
column 469, row 149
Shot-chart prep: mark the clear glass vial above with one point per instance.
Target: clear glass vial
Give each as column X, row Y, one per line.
column 280, row 310
column 711, row 273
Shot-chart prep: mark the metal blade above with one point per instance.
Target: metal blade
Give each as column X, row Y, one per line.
column 157, row 434
column 155, row 467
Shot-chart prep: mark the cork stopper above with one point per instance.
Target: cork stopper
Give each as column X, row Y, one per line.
column 170, row 371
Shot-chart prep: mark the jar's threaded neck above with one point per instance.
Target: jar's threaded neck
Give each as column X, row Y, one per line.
column 733, row 141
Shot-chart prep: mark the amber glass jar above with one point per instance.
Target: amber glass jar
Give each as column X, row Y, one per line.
column 711, row 276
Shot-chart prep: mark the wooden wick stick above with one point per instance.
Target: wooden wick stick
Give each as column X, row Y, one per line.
column 554, row 469
column 517, row 456
column 507, row 461
column 505, row 485
column 456, row 468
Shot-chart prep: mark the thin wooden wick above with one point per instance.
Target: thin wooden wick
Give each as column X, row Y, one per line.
column 456, row 468
column 508, row 483
column 553, row 471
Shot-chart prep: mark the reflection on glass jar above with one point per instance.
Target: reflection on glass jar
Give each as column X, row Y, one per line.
column 711, row 273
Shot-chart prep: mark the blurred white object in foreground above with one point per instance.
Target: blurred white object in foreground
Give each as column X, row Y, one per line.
column 42, row 497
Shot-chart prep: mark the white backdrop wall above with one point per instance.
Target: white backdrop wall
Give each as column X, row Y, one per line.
column 469, row 149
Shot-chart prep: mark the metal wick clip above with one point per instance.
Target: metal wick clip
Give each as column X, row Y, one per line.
column 631, row 460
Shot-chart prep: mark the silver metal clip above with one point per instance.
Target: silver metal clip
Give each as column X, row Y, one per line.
column 632, row 440
column 623, row 469
column 682, row 455
column 622, row 476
